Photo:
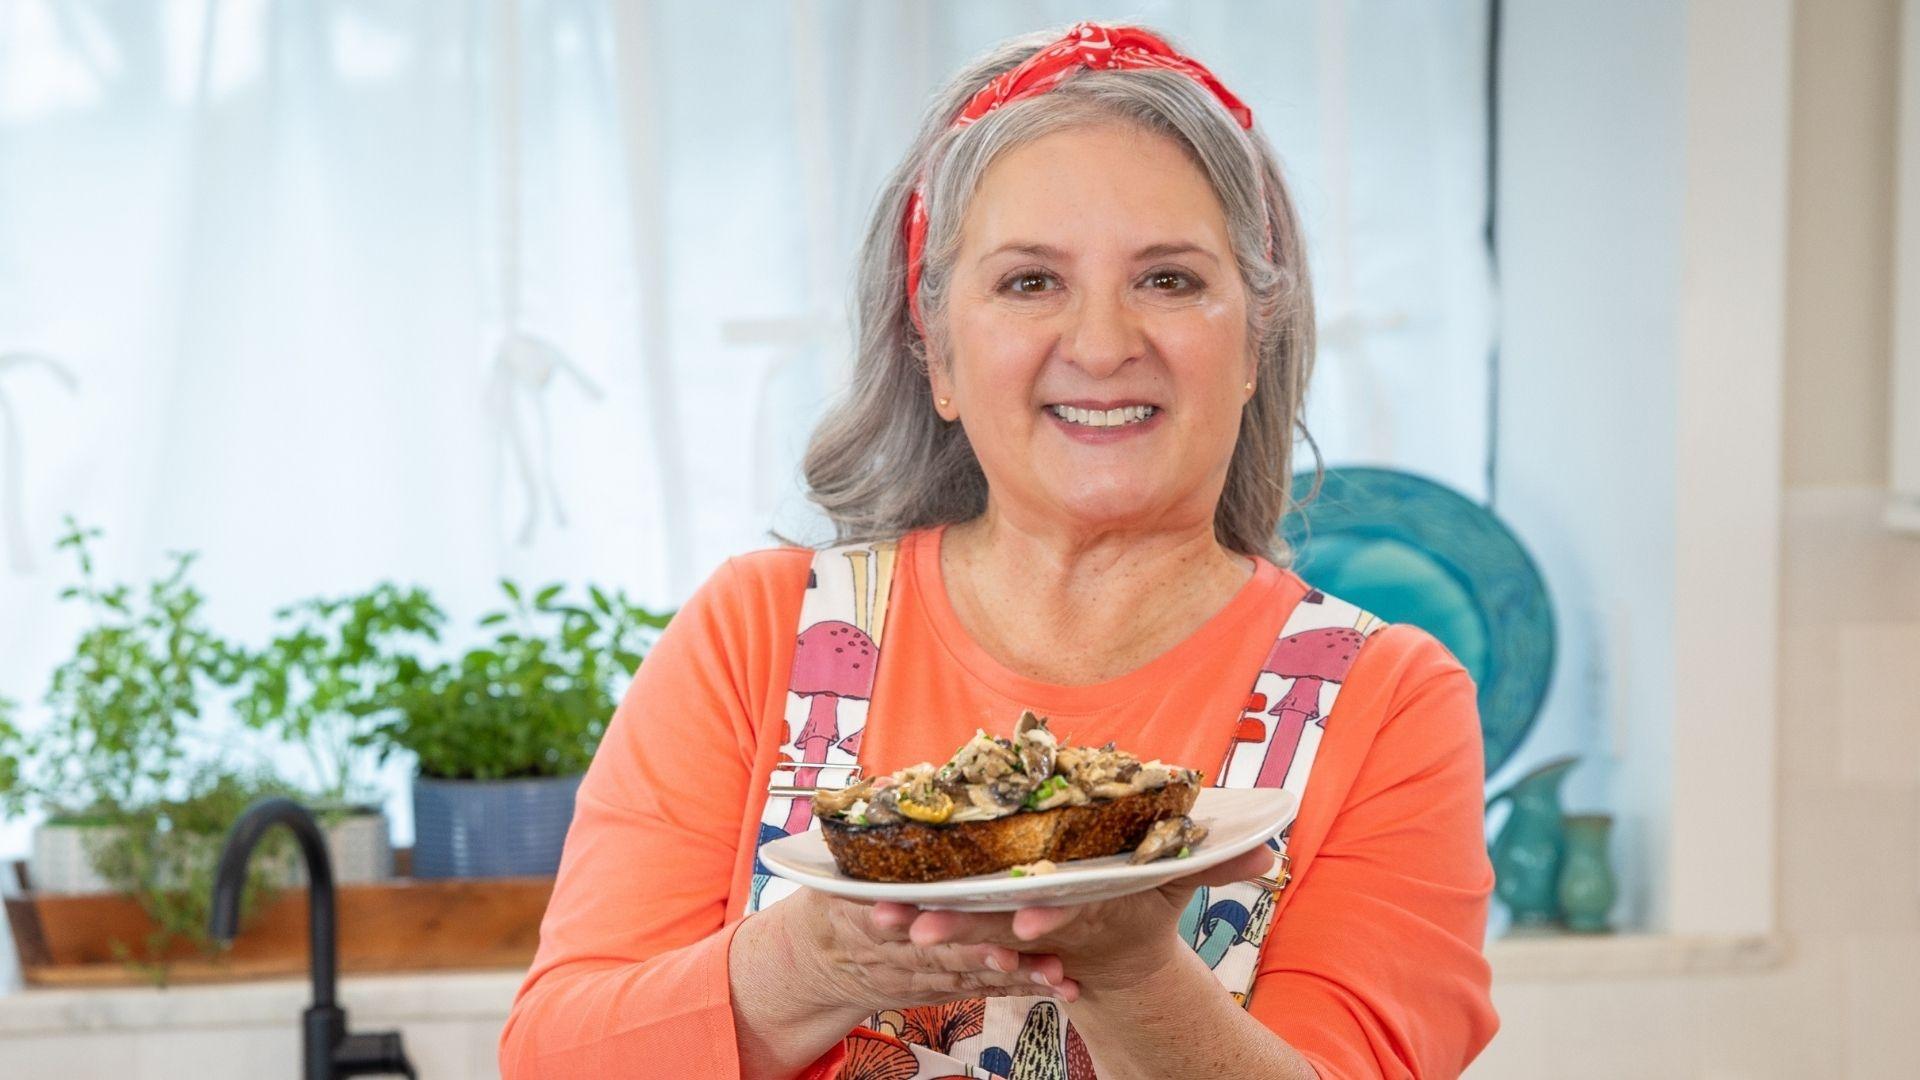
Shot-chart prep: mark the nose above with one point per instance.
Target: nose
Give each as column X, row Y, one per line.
column 1104, row 332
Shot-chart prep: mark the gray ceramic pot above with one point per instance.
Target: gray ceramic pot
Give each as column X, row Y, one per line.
column 490, row 828
column 63, row 854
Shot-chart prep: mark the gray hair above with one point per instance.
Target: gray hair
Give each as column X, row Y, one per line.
column 882, row 463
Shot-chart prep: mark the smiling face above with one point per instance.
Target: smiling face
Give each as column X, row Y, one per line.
column 1097, row 333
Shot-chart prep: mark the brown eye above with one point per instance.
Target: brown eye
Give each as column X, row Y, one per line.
column 1170, row 281
column 1027, row 281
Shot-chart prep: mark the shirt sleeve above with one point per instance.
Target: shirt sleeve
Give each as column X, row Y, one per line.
column 1375, row 966
column 631, row 974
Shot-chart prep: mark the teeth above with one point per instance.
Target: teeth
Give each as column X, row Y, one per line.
column 1131, row 414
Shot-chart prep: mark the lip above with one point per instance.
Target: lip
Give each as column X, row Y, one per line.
column 1090, row 404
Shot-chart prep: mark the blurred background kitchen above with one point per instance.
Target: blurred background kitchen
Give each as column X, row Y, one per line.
column 377, row 377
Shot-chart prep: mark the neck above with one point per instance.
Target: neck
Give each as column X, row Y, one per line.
column 1075, row 606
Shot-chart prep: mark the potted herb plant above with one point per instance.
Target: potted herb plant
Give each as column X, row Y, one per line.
column 166, row 850
column 503, row 734
column 321, row 684
column 120, row 712
column 127, row 809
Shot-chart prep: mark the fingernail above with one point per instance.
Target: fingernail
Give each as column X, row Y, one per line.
column 1041, row 979
column 993, row 961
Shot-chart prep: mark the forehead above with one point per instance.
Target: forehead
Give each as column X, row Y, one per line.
column 1088, row 181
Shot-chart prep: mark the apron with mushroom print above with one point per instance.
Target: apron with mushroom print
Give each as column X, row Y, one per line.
column 836, row 658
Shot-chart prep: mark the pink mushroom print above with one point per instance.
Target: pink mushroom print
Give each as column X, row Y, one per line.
column 1310, row 659
column 831, row 660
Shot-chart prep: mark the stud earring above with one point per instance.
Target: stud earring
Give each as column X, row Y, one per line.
column 1249, row 388
column 943, row 402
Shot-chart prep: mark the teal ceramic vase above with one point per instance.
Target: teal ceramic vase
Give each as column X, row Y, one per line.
column 1587, row 889
column 1527, row 851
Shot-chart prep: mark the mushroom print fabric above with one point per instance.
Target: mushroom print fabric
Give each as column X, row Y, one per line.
column 832, row 662
column 1311, row 659
column 936, row 1027
column 836, row 659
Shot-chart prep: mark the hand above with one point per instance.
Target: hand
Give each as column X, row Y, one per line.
column 1116, row 942
column 856, row 955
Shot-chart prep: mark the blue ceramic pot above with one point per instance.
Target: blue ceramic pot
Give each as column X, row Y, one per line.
column 1527, row 851
column 490, row 828
column 1587, row 888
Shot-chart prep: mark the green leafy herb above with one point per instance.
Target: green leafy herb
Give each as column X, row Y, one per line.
column 1183, row 852
column 1016, row 872
column 534, row 701
column 336, row 666
column 124, row 704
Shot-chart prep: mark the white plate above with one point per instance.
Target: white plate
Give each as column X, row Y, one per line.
column 1238, row 819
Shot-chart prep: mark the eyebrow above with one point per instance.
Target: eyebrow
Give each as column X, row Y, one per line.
column 1047, row 251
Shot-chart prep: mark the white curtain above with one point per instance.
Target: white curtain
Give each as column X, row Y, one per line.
column 437, row 291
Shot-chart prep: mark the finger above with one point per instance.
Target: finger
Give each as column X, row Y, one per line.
column 892, row 918
column 944, row 973
column 957, row 927
column 1033, row 923
column 1033, row 973
column 1250, row 864
column 1048, row 968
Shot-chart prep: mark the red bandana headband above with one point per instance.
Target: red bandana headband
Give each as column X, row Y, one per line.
column 1088, row 45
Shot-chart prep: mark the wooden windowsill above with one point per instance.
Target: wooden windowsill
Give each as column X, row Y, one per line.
column 486, row 995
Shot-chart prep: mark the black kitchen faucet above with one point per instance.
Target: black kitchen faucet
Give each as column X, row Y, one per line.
column 327, row 1051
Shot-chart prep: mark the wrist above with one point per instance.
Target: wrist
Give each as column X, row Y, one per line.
column 780, row 1023
column 1139, row 976
column 795, row 938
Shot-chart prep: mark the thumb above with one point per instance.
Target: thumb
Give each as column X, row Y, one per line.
column 1250, row 864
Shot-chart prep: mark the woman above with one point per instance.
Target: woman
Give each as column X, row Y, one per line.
column 1085, row 329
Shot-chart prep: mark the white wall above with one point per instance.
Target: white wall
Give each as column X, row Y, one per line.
column 1590, row 188
column 1841, row 1000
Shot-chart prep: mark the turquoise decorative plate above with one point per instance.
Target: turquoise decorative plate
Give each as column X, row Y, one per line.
column 1415, row 551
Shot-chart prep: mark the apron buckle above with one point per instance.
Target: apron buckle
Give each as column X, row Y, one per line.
column 1283, row 875
column 792, row 790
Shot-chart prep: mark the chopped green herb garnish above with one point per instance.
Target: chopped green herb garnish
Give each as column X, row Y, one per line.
column 1184, row 852
column 1046, row 790
column 1016, row 872
column 861, row 820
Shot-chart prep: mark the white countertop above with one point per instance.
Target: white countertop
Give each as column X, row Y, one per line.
column 384, row 999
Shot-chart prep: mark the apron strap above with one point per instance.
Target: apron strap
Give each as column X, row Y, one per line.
column 836, row 656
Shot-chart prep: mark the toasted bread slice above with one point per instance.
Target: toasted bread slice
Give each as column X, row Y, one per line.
column 910, row 851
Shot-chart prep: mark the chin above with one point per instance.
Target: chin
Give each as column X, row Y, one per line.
column 1110, row 503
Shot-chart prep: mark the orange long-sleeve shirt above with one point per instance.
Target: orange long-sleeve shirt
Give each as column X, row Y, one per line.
column 1373, row 966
